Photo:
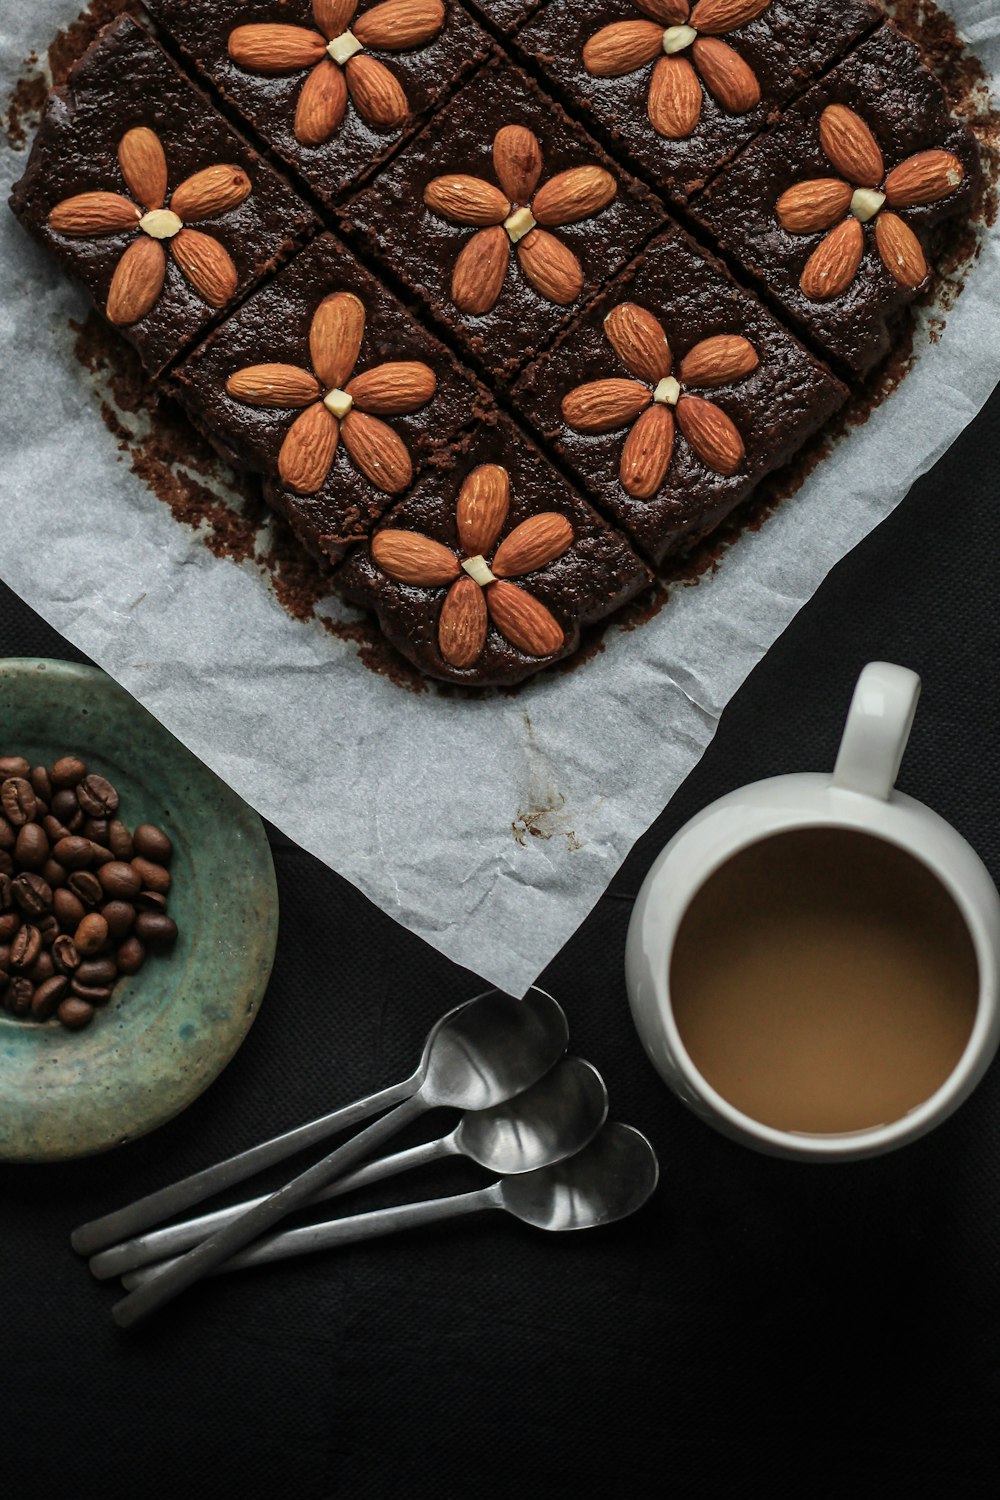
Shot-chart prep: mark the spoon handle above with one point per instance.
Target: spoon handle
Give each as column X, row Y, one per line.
column 333, row 1232
column 175, row 1198
column 160, row 1243
column 225, row 1242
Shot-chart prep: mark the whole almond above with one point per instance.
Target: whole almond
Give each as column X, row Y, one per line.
column 517, row 161
column 900, row 251
column 551, row 267
column 813, row 205
column 379, row 453
column 478, row 277
column 525, row 621
column 144, row 165
column 674, row 104
column 727, row 77
column 482, row 507
column 712, row 434
column 394, row 388
column 137, row 281
column 335, row 336
column 573, row 195
column 397, row 24
column 94, row 213
column 322, row 104
column 378, row 95
column 850, row 145
column 621, row 48
column 667, row 12
column 283, row 386
column 307, row 452
column 409, row 557
column 924, row 178
column 646, row 454
column 638, row 339
column 604, row 405
column 718, row 360
column 466, row 200
column 712, row 17
column 206, row 264
column 832, row 266
column 275, row 48
column 214, row 190
column 333, row 17
column 462, row 623
column 537, row 541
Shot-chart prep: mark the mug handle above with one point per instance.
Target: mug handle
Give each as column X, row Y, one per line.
column 878, row 726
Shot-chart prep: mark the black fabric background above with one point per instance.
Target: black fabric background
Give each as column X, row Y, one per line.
column 760, row 1329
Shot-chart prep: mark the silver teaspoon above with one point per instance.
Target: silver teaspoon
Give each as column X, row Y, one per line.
column 553, row 1119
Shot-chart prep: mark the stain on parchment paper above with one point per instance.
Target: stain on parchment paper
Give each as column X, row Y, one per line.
column 543, row 812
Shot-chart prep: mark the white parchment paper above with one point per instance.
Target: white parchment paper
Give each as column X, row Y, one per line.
column 416, row 798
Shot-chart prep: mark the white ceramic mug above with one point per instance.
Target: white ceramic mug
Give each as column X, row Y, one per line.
column 859, row 795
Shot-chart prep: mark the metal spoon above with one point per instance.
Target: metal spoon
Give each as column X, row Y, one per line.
column 553, row 1119
column 608, row 1180
column 478, row 1024
column 490, row 1051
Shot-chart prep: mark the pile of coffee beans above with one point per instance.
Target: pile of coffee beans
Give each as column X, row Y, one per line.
column 82, row 898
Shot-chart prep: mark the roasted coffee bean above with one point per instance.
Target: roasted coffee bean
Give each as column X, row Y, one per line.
column 48, row 995
column 19, row 995
column 10, row 921
column 150, row 901
column 121, row 881
column 41, row 783
column 32, row 894
column 91, row 935
column 49, row 929
column 54, row 873
column 131, row 956
column 6, row 863
column 69, row 909
column 8, row 836
column 32, row 847
column 17, row 801
column 85, row 884
column 120, row 840
column 67, row 771
column 97, row 971
column 55, row 829
column 14, row 765
column 152, row 877
column 25, row 947
column 64, row 955
column 119, row 916
column 74, row 852
column 64, row 806
column 102, row 856
column 155, row 929
column 75, row 1013
column 97, row 797
column 6, row 893
column 94, row 994
column 96, row 829
column 43, row 968
column 152, row 843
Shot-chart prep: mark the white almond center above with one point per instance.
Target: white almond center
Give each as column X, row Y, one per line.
column 668, row 391
column 478, row 569
column 865, row 203
column 161, row 223
column 519, row 223
column 338, row 401
column 676, row 38
column 344, row 46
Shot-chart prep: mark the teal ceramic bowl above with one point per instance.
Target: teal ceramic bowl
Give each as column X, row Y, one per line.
column 170, row 1030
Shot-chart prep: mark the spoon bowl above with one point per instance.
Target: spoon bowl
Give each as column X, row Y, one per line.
column 608, row 1180
column 490, row 1049
column 554, row 1118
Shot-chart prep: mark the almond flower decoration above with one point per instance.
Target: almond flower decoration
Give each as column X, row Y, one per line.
column 337, row 62
column 336, row 406
column 478, row 589
column 646, row 405
column 675, row 90
column 139, row 275
column 841, row 206
column 508, row 215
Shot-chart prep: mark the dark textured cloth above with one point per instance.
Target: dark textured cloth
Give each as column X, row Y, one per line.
column 761, row 1329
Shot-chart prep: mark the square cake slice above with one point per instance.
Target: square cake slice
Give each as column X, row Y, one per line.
column 145, row 193
column 502, row 215
column 493, row 564
column 331, row 85
column 673, row 394
column 835, row 209
column 325, row 386
column 678, row 86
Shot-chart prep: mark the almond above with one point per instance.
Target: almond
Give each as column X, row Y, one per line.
column 212, row 191
column 851, row 146
column 379, row 453
column 551, row 267
column 409, row 557
column 478, row 277
column 711, row 434
column 482, row 507
column 900, row 251
column 307, row 452
column 716, row 16
column 621, row 48
column 466, row 200
column 206, row 264
column 394, row 388
column 727, row 77
column 924, row 178
column 674, row 104
column 335, row 336
column 517, row 161
column 646, row 454
column 667, row 12
column 572, row 195
column 397, row 24
column 333, row 16
column 136, row 283
column 639, row 341
column 144, row 166
column 94, row 214
column 378, row 96
column 603, row 405
column 537, row 541
column 322, row 104
column 718, row 360
column 813, row 205
column 462, row 624
column 274, row 48
column 831, row 267
column 525, row 622
column 283, row 386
